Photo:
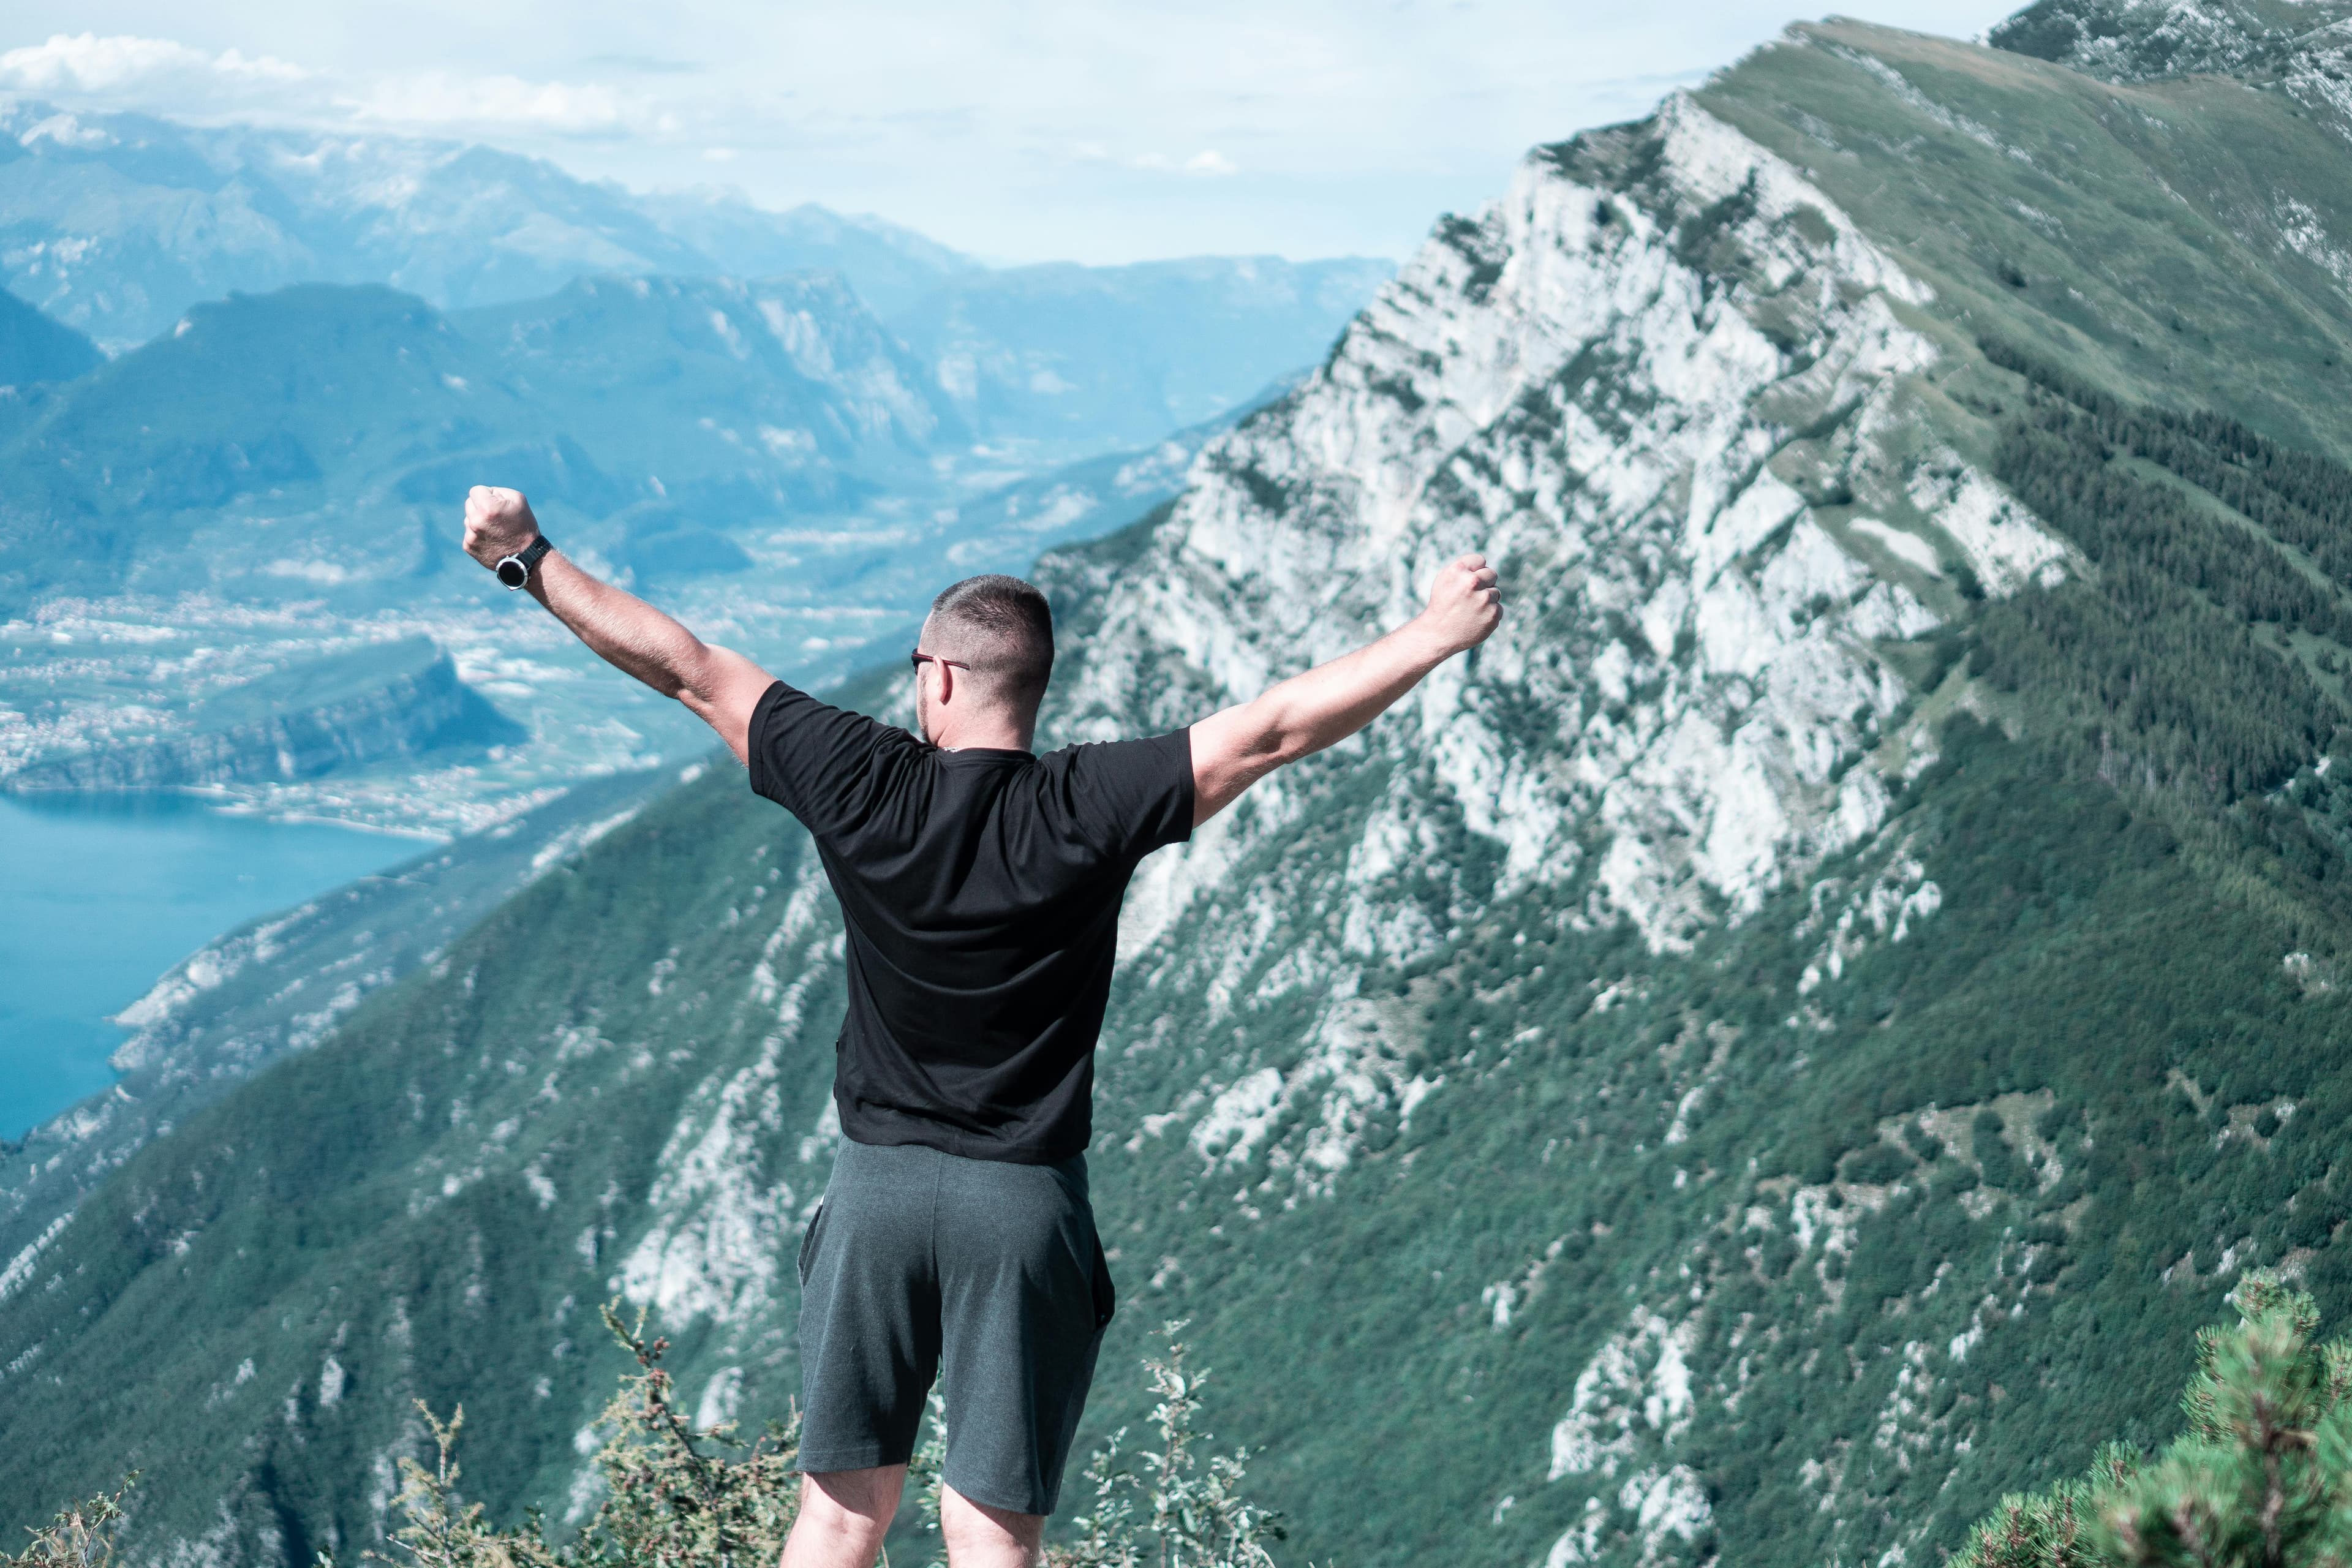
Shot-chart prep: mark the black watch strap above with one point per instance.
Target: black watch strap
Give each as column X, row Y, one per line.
column 515, row 570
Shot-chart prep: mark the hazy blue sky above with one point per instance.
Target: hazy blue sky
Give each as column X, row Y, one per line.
column 1020, row 132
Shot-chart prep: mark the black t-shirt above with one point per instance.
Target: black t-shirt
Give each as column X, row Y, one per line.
column 981, row 892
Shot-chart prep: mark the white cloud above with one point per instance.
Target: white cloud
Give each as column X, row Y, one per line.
column 439, row 101
column 125, row 70
column 66, row 131
column 1208, row 162
column 87, row 63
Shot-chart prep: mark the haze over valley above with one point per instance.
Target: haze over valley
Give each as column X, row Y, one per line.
column 257, row 482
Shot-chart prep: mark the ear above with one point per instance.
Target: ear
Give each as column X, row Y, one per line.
column 946, row 673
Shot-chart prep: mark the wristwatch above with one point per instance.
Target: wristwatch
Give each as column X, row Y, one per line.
column 514, row 571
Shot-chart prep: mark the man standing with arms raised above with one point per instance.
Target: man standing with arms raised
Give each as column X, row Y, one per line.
column 980, row 886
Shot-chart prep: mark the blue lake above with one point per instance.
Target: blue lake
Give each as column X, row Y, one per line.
column 100, row 895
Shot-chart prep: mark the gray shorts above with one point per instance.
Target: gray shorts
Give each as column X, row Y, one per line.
column 985, row 1275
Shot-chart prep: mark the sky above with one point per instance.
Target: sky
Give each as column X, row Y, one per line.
column 1013, row 130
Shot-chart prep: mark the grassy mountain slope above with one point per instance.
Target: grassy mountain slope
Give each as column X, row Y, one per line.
column 2149, row 232
column 1755, row 1063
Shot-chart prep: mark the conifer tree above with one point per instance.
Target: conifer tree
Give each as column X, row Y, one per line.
column 2261, row 1479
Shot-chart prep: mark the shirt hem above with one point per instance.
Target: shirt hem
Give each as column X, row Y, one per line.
column 968, row 1148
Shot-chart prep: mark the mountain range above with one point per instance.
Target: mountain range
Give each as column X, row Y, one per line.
column 117, row 223
column 1781, row 1046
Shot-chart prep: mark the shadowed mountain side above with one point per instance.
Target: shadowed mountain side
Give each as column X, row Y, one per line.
column 781, row 380
column 312, row 437
column 34, row 348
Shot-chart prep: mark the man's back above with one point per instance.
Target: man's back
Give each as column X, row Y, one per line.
column 980, row 890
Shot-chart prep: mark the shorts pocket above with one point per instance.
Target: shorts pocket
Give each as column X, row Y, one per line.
column 1106, row 1295
column 808, row 1242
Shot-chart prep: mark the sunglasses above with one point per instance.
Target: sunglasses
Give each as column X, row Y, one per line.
column 919, row 660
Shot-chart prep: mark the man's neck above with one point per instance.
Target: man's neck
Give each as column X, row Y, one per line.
column 981, row 738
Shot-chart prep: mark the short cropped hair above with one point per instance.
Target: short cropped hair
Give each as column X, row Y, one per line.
column 1004, row 629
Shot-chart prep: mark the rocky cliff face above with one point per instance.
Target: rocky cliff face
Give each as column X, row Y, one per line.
column 388, row 700
column 1751, row 1064
column 1558, row 384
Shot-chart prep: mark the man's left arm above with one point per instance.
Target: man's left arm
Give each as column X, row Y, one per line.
column 717, row 686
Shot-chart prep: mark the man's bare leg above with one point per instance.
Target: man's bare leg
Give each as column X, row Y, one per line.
column 844, row 1516
column 979, row 1536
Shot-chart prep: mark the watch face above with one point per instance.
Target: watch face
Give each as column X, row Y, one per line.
column 513, row 572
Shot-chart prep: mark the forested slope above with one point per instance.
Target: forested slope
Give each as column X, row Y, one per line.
column 1782, row 1045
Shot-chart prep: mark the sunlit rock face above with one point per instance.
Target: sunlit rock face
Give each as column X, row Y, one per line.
column 1654, row 403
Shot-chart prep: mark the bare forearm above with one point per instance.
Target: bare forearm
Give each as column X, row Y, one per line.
column 1234, row 749
column 621, row 628
column 722, row 689
column 716, row 685
column 1330, row 703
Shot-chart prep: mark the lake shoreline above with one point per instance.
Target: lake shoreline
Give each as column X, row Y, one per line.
column 109, row 890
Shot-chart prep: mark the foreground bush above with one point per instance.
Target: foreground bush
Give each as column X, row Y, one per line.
column 2262, row 1478
column 81, row 1537
column 676, row 1496
column 682, row 1497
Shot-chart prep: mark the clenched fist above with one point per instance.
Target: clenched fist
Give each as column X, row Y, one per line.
column 498, row 523
column 1465, row 604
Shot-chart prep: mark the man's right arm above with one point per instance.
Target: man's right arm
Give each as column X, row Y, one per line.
column 717, row 685
column 1234, row 749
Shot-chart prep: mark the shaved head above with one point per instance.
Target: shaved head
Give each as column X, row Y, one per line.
column 1003, row 629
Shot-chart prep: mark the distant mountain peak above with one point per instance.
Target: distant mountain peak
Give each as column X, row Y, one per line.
column 2142, row 40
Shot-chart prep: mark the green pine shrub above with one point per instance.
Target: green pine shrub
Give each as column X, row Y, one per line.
column 2262, row 1478
column 676, row 1495
column 679, row 1496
